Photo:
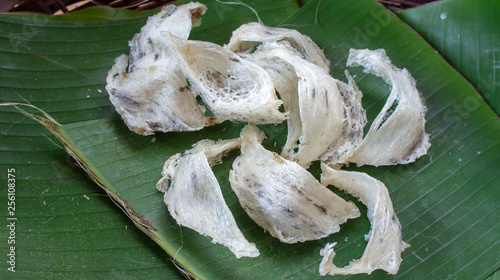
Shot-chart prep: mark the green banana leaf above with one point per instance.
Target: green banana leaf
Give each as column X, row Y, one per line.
column 466, row 33
column 67, row 227
column 494, row 276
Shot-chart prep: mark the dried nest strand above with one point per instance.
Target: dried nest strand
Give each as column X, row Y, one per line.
column 396, row 136
column 385, row 244
column 148, row 47
column 233, row 88
column 146, row 88
column 326, row 117
column 194, row 198
column 283, row 197
column 247, row 36
column 150, row 100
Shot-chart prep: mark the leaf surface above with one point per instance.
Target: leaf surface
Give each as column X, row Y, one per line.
column 67, row 227
column 447, row 201
column 467, row 34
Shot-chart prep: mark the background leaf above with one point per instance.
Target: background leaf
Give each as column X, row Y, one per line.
column 467, row 34
column 446, row 201
column 494, row 276
column 68, row 228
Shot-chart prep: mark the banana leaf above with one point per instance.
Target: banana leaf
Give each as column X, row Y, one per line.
column 68, row 228
column 466, row 33
column 494, row 276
